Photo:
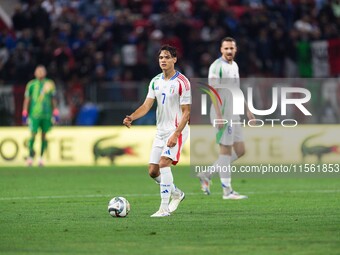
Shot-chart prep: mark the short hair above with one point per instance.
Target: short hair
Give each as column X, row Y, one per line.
column 171, row 49
column 228, row 39
column 40, row 66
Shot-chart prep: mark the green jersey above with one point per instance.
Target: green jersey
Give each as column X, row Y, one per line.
column 40, row 94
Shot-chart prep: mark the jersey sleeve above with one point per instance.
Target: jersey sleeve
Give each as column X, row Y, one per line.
column 53, row 90
column 214, row 74
column 185, row 97
column 213, row 71
column 152, row 86
column 28, row 90
column 151, row 90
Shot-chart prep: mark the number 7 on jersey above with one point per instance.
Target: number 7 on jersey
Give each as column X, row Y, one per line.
column 163, row 94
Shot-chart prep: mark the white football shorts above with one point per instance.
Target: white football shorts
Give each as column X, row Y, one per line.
column 230, row 135
column 160, row 149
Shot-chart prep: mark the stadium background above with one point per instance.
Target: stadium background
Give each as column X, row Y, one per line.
column 102, row 55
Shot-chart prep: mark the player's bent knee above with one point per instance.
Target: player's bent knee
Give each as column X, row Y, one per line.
column 165, row 162
column 241, row 153
column 153, row 174
column 153, row 171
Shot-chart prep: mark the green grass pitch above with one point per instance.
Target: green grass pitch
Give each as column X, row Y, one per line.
column 63, row 210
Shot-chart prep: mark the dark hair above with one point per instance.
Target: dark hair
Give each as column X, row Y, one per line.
column 169, row 48
column 228, row 39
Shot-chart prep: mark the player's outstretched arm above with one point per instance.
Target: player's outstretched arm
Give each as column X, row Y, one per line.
column 140, row 112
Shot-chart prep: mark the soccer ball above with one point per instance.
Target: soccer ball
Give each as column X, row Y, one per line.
column 119, row 207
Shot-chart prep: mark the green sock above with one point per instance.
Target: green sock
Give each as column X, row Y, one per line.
column 43, row 147
column 31, row 146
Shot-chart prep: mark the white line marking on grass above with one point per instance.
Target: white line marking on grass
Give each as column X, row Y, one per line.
column 157, row 194
column 73, row 196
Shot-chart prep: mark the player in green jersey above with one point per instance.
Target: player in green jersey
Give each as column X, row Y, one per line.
column 39, row 110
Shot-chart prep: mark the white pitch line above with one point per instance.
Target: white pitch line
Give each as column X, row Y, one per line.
column 157, row 194
column 72, row 196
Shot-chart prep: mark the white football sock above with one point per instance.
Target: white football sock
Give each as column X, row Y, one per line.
column 226, row 186
column 166, row 186
column 174, row 189
column 157, row 179
column 225, row 174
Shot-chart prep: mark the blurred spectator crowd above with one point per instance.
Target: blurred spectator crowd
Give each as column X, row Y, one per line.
column 86, row 41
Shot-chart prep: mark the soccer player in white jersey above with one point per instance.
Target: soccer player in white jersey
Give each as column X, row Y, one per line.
column 224, row 72
column 172, row 91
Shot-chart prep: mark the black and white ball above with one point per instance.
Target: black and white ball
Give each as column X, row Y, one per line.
column 119, row 207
